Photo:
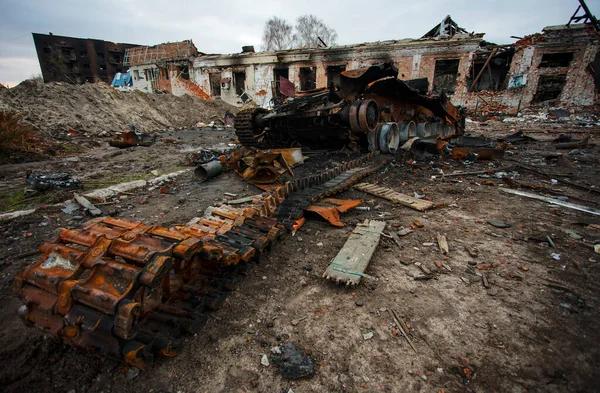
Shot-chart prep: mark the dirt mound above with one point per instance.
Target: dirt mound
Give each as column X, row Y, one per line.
column 54, row 108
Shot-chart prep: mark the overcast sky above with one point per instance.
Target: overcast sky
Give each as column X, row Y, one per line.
column 225, row 26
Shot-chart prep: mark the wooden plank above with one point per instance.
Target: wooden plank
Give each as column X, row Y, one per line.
column 94, row 211
column 396, row 197
column 352, row 260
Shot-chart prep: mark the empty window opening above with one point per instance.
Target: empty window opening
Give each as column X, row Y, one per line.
column 494, row 76
column 215, row 84
column 308, row 78
column 115, row 57
column 549, row 87
column 334, row 75
column 444, row 78
column 278, row 73
column 87, row 66
column 556, row 59
column 136, row 75
column 164, row 73
column 239, row 78
column 47, row 50
column 100, row 57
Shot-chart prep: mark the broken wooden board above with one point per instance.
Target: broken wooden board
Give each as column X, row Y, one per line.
column 395, row 197
column 352, row 260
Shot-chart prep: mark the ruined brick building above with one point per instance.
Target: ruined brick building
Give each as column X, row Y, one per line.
column 556, row 64
column 78, row 60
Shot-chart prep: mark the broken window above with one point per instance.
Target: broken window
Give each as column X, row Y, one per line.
column 47, row 50
column 136, row 75
column 239, row 78
column 308, row 78
column 490, row 75
column 556, row 59
column 100, row 57
column 333, row 75
column 215, row 84
column 444, row 77
column 549, row 87
column 184, row 73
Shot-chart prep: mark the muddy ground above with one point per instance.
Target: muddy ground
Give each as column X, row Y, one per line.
column 535, row 328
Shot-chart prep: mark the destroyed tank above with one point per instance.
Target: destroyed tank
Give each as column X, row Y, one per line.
column 371, row 106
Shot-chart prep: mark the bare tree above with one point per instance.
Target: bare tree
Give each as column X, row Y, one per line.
column 277, row 34
column 309, row 29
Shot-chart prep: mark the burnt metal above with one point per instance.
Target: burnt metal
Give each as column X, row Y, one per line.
column 367, row 98
column 131, row 292
column 132, row 138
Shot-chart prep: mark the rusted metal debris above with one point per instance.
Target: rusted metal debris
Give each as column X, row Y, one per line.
column 130, row 292
column 264, row 167
column 370, row 101
column 132, row 138
column 330, row 209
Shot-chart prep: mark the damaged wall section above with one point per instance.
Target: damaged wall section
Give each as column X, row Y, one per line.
column 551, row 66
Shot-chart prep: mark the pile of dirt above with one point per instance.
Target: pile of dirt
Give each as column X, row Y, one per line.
column 96, row 109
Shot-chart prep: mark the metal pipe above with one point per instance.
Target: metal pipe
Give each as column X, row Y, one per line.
column 208, row 170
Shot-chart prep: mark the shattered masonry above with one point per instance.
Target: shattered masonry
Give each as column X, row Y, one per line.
column 554, row 64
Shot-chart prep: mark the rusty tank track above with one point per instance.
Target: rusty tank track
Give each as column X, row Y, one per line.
column 131, row 292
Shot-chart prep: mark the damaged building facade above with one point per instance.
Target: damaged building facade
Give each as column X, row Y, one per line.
column 78, row 60
column 555, row 65
column 163, row 67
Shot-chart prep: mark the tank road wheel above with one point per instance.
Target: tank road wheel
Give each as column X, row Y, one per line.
column 245, row 128
column 368, row 115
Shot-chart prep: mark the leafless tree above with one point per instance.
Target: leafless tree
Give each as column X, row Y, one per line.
column 309, row 29
column 277, row 34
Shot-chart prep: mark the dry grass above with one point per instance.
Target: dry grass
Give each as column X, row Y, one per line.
column 17, row 137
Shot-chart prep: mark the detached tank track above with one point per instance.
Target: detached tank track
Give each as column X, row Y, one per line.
column 130, row 292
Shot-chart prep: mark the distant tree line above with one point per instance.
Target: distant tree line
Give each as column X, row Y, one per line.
column 309, row 32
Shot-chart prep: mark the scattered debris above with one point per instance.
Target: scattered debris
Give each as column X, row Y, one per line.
column 330, row 209
column 293, row 362
column 404, row 231
column 402, row 327
column 54, row 181
column 264, row 360
column 207, row 171
column 553, row 201
column 368, row 336
column 499, row 223
column 93, row 210
column 352, row 260
column 132, row 138
column 396, row 197
column 442, row 244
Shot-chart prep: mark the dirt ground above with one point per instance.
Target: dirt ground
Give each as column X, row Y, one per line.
column 94, row 109
column 534, row 329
